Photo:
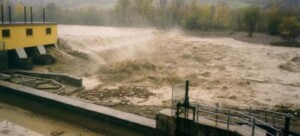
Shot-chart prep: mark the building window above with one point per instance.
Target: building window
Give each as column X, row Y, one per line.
column 29, row 32
column 5, row 33
column 48, row 30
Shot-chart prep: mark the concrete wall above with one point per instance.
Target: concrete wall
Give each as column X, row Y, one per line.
column 166, row 126
column 16, row 62
column 62, row 78
column 3, row 60
column 98, row 118
column 38, row 58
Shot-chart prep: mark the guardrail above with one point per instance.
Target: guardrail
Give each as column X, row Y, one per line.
column 231, row 117
column 270, row 123
column 272, row 118
column 256, row 122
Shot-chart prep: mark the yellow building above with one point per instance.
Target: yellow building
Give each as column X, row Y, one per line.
column 24, row 44
column 21, row 35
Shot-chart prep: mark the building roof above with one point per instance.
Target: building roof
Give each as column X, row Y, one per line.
column 28, row 23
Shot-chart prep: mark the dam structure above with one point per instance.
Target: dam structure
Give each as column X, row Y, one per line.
column 22, row 44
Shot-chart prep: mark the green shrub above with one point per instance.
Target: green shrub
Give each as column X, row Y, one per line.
column 289, row 28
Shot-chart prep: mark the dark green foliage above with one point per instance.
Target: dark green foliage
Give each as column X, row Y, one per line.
column 274, row 20
column 251, row 17
column 289, row 28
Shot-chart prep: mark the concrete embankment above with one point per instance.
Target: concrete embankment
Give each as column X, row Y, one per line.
column 62, row 78
column 94, row 117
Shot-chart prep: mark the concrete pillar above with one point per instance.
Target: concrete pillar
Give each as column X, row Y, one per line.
column 41, row 50
column 21, row 53
column 3, row 60
column 166, row 125
column 39, row 55
column 18, row 59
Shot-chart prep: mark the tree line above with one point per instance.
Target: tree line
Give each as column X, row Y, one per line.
column 189, row 15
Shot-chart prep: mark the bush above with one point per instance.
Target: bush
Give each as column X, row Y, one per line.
column 289, row 28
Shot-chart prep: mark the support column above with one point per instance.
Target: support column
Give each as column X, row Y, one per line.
column 39, row 55
column 18, row 59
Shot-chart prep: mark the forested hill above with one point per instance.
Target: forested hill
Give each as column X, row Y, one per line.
column 110, row 3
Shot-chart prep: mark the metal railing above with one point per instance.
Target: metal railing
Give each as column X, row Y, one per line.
column 251, row 121
column 255, row 122
column 238, row 119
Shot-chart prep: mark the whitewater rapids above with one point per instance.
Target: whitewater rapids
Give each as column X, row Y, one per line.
column 221, row 69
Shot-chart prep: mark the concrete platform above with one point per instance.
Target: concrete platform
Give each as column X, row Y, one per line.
column 10, row 129
column 76, row 111
column 244, row 130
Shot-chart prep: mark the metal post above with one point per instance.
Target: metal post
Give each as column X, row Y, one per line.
column 9, row 14
column 287, row 125
column 177, row 118
column 25, row 15
column 250, row 113
column 217, row 113
column 266, row 117
column 194, row 113
column 2, row 14
column 31, row 16
column 273, row 118
column 186, row 113
column 198, row 112
column 253, row 126
column 44, row 15
column 177, row 109
column 186, row 99
column 228, row 119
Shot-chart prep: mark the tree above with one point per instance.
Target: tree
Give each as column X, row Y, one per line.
column 206, row 16
column 122, row 10
column 222, row 16
column 192, row 15
column 18, row 12
column 91, row 16
column 251, row 16
column 274, row 20
column 163, row 5
column 289, row 28
column 176, row 11
column 52, row 12
column 4, row 2
column 236, row 22
column 143, row 11
column 160, row 17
